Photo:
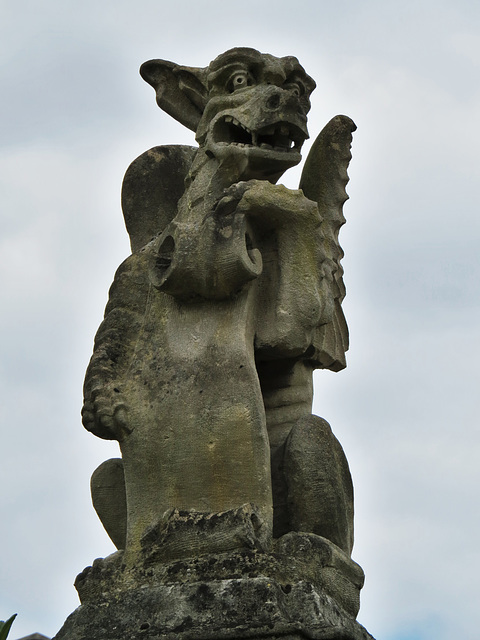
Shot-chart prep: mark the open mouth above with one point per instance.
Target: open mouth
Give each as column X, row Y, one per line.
column 281, row 136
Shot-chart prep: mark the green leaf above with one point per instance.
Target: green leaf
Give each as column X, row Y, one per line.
column 5, row 627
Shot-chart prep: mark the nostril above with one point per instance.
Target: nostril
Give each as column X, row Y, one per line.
column 273, row 101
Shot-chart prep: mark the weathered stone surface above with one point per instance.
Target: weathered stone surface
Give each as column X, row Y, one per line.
column 226, row 278
column 319, row 489
column 232, row 506
column 233, row 608
column 109, row 499
column 117, row 599
column 293, row 557
column 152, row 187
column 305, row 586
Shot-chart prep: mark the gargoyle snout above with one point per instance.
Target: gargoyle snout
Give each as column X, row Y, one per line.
column 283, row 100
column 273, row 102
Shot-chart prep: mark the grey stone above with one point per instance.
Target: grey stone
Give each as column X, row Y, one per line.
column 240, row 273
column 109, row 499
column 233, row 608
column 319, row 489
column 293, row 557
column 306, row 585
column 232, row 506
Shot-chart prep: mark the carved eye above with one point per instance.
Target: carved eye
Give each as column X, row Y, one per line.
column 297, row 88
column 239, row 80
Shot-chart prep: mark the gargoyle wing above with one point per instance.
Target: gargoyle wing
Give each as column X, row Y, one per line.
column 152, row 187
column 323, row 180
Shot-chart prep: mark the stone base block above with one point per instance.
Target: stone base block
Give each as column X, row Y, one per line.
column 250, row 608
column 303, row 586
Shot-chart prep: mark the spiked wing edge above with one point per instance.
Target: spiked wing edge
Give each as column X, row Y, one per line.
column 323, row 180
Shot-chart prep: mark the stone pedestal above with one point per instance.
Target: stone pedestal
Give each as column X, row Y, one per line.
column 222, row 609
column 303, row 587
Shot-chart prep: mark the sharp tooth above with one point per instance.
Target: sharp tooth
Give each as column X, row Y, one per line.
column 236, row 122
column 228, row 119
column 254, row 139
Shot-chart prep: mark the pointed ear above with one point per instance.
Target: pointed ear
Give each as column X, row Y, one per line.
column 180, row 90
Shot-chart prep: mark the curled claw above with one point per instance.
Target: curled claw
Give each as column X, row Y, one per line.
column 106, row 414
column 121, row 418
column 231, row 197
column 88, row 417
column 106, row 422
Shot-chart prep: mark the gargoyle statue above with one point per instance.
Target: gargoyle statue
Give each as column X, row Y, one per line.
column 202, row 367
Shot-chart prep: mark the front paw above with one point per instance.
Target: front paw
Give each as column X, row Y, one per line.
column 228, row 203
column 273, row 205
column 105, row 413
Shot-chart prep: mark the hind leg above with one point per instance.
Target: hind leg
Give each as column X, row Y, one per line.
column 318, row 483
column 311, row 483
column 109, row 500
column 287, row 392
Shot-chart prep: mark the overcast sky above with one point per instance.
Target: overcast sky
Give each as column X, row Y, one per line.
column 75, row 113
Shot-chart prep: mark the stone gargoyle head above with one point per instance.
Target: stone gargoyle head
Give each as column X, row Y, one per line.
column 245, row 104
